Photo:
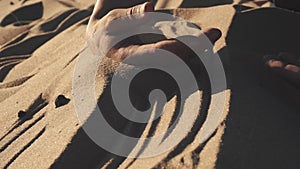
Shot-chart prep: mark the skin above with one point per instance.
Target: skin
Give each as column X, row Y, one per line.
column 287, row 67
column 106, row 11
column 102, row 17
column 102, row 7
column 121, row 52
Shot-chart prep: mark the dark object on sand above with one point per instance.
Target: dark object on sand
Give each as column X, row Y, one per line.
column 21, row 114
column 61, row 100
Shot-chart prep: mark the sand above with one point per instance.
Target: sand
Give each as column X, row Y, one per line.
column 260, row 123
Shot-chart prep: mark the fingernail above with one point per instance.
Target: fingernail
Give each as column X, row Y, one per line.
column 148, row 7
column 275, row 64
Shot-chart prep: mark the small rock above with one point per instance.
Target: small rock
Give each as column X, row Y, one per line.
column 12, row 3
column 21, row 114
column 61, row 100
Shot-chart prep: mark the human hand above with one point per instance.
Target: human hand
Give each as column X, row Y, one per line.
column 134, row 51
column 119, row 52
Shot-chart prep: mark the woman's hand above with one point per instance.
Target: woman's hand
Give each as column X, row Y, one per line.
column 104, row 32
column 119, row 53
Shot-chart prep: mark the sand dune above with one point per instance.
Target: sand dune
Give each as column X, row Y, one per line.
column 40, row 44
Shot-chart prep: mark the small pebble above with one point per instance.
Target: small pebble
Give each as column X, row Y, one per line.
column 21, row 114
column 61, row 100
column 12, row 3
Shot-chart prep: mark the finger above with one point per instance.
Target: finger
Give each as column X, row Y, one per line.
column 275, row 64
column 289, row 72
column 102, row 7
column 119, row 20
column 292, row 68
column 182, row 47
column 140, row 9
column 185, row 46
column 111, row 24
column 292, row 74
column 289, row 58
column 177, row 47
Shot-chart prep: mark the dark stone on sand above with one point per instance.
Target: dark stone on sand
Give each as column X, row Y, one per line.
column 21, row 114
column 61, row 100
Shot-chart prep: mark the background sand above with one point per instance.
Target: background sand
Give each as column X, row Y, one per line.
column 40, row 41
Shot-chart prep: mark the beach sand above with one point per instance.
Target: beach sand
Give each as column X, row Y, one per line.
column 40, row 41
